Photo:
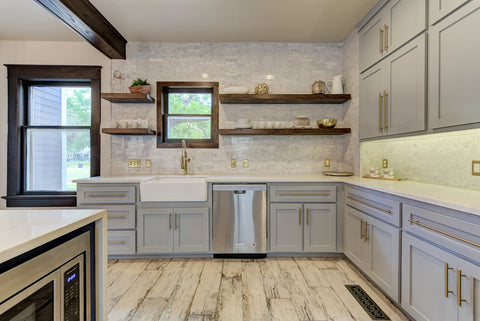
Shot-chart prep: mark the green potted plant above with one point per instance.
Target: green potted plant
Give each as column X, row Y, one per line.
column 140, row 86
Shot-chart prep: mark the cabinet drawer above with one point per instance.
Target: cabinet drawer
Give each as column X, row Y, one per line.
column 303, row 193
column 119, row 216
column 121, row 242
column 106, row 194
column 375, row 204
column 455, row 231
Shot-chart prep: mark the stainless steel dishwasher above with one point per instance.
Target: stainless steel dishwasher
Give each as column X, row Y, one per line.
column 239, row 220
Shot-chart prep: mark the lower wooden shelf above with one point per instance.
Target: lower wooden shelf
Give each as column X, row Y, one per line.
column 286, row 131
column 129, row 131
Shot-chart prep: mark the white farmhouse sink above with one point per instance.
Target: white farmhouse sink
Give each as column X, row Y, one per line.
column 174, row 189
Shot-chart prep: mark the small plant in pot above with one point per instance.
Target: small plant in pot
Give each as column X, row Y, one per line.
column 140, row 86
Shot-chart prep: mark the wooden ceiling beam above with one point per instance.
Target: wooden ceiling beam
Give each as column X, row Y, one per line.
column 82, row 17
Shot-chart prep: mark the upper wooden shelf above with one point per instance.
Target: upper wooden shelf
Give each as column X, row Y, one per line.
column 286, row 131
column 119, row 98
column 284, row 99
column 129, row 131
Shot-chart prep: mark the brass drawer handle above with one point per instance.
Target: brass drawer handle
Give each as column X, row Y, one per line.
column 446, row 280
column 459, row 287
column 385, row 104
column 366, row 231
column 303, row 194
column 380, row 40
column 444, row 233
column 169, row 221
column 175, row 221
column 361, row 229
column 368, row 204
column 117, row 243
column 107, row 195
column 380, row 128
column 117, row 216
column 386, row 38
column 308, row 216
column 300, row 216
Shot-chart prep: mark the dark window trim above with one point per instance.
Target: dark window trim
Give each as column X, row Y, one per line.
column 181, row 86
column 18, row 77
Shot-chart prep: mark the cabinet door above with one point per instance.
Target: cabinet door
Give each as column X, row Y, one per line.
column 353, row 233
column 407, row 18
column 286, row 227
column 371, row 102
column 372, row 37
column 454, row 48
column 440, row 8
column 191, row 230
column 320, row 226
column 469, row 309
column 383, row 255
column 404, row 95
column 424, row 281
column 155, row 230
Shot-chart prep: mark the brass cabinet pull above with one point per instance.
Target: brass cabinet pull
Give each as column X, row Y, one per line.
column 459, row 287
column 366, row 231
column 169, row 221
column 175, row 221
column 380, row 128
column 380, row 40
column 386, row 37
column 446, row 280
column 308, row 216
column 116, row 242
column 444, row 233
column 368, row 204
column 107, row 195
column 385, row 105
column 300, row 216
column 361, row 229
column 303, row 194
column 117, row 216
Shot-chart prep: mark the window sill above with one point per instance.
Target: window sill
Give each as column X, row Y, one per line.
column 41, row 200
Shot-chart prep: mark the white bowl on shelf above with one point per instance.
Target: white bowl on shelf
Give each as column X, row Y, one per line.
column 236, row 90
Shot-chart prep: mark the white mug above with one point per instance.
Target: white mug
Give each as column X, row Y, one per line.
column 131, row 123
column 122, row 123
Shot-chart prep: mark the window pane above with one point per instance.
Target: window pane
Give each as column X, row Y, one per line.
column 60, row 106
column 55, row 157
column 189, row 127
column 193, row 104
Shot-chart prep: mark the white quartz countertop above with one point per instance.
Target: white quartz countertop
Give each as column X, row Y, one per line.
column 24, row 230
column 460, row 199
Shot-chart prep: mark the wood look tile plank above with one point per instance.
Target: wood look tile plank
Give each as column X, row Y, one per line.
column 205, row 299
column 230, row 299
column 167, row 282
column 283, row 310
column 131, row 300
column 273, row 281
column 179, row 303
column 149, row 310
column 117, row 268
column 253, row 293
column 232, row 268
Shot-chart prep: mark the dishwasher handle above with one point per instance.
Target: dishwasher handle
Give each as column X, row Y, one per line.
column 239, row 192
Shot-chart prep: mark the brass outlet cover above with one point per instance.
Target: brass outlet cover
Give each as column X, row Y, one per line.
column 476, row 167
column 384, row 163
column 245, row 163
column 148, row 163
column 134, row 163
column 233, row 163
column 327, row 162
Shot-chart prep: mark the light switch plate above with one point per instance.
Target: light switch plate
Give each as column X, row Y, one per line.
column 148, row 163
column 134, row 163
column 245, row 163
column 326, row 163
column 384, row 163
column 476, row 167
column 233, row 163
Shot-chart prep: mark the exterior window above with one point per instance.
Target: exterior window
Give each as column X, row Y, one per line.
column 53, row 132
column 189, row 111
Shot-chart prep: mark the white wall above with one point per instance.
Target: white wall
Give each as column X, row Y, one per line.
column 49, row 53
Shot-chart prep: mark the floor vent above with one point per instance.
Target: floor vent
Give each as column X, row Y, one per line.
column 367, row 303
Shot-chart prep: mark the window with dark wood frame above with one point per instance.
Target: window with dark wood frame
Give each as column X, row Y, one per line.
column 21, row 79
column 169, row 118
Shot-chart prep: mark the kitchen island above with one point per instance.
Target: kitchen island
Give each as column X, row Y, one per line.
column 72, row 241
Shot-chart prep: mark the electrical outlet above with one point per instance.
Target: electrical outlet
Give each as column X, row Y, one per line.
column 326, row 163
column 245, row 163
column 134, row 163
column 476, row 167
column 233, row 163
column 384, row 163
column 148, row 163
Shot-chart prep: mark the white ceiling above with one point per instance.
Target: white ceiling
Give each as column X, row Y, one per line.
column 197, row 20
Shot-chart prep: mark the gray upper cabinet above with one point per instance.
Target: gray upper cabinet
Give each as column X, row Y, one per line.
column 440, row 8
column 392, row 93
column 395, row 24
column 454, row 49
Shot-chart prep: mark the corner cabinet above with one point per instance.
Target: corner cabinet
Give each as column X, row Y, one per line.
column 173, row 230
column 392, row 93
column 453, row 68
column 395, row 24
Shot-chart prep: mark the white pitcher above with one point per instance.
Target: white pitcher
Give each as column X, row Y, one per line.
column 337, row 87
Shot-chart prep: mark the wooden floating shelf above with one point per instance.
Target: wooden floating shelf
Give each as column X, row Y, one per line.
column 129, row 98
column 286, row 131
column 284, row 99
column 129, row 131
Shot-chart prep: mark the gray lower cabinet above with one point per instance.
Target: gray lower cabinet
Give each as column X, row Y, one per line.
column 454, row 48
column 120, row 202
column 301, row 227
column 173, row 230
column 392, row 93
